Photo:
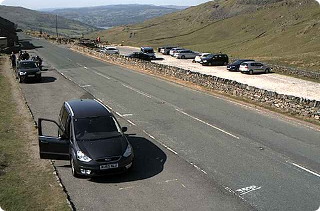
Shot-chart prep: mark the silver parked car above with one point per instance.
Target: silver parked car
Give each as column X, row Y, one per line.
column 174, row 50
column 185, row 54
column 109, row 50
column 254, row 67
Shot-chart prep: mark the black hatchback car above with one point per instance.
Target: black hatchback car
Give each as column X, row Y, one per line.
column 215, row 59
column 90, row 137
column 140, row 55
column 28, row 69
column 235, row 65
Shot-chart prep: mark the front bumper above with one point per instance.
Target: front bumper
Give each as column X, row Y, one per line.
column 92, row 168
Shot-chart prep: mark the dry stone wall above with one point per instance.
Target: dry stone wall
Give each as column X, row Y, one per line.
column 285, row 103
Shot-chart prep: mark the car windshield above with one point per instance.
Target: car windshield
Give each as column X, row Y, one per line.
column 209, row 56
column 27, row 65
column 95, row 128
column 148, row 51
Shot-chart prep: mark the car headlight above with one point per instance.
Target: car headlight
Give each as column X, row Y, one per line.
column 82, row 157
column 22, row 73
column 128, row 151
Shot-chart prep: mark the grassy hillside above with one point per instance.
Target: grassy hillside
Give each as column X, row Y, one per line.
column 114, row 15
column 277, row 31
column 34, row 20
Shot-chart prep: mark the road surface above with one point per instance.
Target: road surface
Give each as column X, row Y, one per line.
column 193, row 149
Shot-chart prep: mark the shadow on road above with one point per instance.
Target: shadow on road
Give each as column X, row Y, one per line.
column 44, row 79
column 27, row 45
column 47, row 79
column 160, row 58
column 149, row 161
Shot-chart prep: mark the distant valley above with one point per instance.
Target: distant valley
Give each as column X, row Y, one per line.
column 115, row 15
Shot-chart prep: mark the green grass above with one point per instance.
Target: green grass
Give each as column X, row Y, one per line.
column 284, row 32
column 25, row 182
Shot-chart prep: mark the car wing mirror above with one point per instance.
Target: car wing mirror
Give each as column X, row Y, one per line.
column 124, row 129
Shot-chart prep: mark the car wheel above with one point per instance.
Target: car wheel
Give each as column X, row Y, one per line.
column 73, row 170
column 250, row 72
column 183, row 57
column 210, row 64
column 267, row 70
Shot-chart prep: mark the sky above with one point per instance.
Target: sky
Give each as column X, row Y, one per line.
column 37, row 4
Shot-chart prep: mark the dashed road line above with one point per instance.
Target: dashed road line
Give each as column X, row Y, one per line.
column 84, row 86
column 305, row 169
column 136, row 90
column 100, row 74
column 210, row 125
column 131, row 122
column 119, row 114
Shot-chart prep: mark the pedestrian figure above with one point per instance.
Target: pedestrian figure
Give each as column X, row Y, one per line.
column 20, row 55
column 13, row 59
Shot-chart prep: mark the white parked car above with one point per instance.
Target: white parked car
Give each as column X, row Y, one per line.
column 174, row 50
column 200, row 56
column 254, row 67
column 110, row 50
column 185, row 54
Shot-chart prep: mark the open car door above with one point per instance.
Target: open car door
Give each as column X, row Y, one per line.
column 51, row 147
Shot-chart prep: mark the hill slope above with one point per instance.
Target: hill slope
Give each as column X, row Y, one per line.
column 30, row 19
column 114, row 15
column 277, row 31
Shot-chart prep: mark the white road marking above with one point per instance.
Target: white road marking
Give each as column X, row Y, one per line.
column 131, row 122
column 305, row 169
column 101, row 75
column 167, row 181
column 246, row 190
column 183, row 185
column 127, row 115
column 210, row 125
column 204, row 171
column 148, row 134
column 118, row 114
column 126, row 188
column 136, row 90
column 85, row 86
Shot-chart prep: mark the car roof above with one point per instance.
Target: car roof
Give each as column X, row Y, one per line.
column 250, row 62
column 82, row 108
column 147, row 48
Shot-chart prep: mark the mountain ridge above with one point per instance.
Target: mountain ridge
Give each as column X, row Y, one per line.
column 277, row 31
column 33, row 20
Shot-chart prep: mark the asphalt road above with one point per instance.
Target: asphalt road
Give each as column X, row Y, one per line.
column 193, row 149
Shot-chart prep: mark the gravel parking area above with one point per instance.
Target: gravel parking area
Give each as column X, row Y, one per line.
column 272, row 81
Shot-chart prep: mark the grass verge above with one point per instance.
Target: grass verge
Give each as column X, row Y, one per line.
column 26, row 182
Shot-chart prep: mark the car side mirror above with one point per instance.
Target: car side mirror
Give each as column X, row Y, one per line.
column 124, row 129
